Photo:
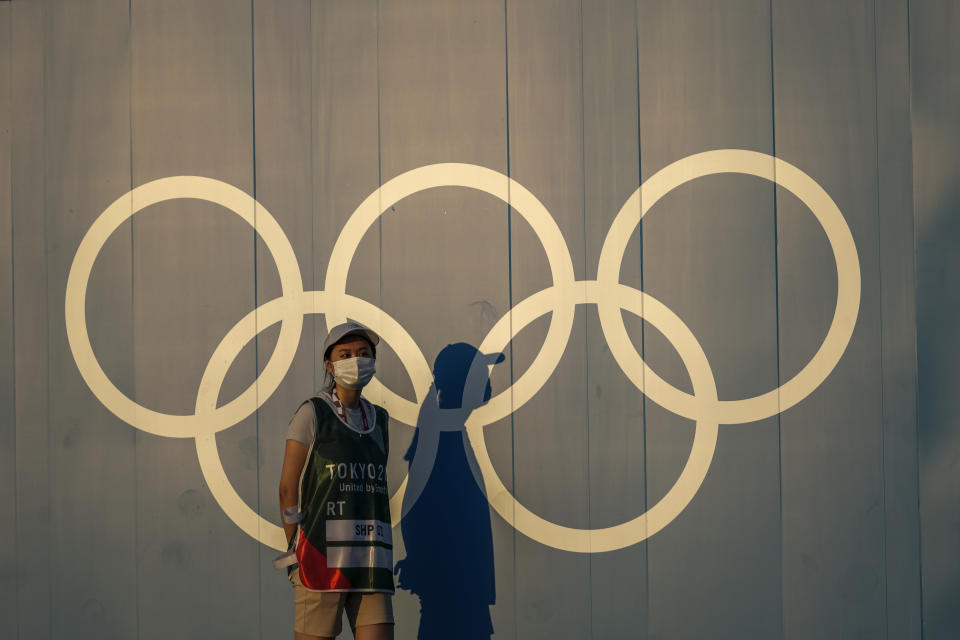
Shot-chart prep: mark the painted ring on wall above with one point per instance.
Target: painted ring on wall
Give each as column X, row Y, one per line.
column 841, row 241
column 518, row 197
column 266, row 315
column 123, row 208
column 694, row 471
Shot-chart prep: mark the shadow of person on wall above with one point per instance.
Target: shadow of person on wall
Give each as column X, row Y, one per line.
column 446, row 524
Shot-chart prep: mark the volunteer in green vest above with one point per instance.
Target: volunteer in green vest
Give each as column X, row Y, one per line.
column 334, row 499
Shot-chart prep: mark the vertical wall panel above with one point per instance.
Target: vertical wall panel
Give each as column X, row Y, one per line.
column 92, row 479
column 832, row 482
column 611, row 173
column 709, row 255
column 935, row 78
column 898, row 321
column 193, row 280
column 31, row 388
column 283, row 184
column 345, row 134
column 443, row 253
column 8, row 423
column 550, row 442
column 344, row 151
column 442, row 100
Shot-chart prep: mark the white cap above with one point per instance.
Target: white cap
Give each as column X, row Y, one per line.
column 341, row 331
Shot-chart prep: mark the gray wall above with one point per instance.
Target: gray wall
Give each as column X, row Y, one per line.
column 935, row 71
column 810, row 523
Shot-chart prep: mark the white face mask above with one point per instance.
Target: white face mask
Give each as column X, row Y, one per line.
column 354, row 373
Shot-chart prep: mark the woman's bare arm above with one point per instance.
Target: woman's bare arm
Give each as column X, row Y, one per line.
column 294, row 457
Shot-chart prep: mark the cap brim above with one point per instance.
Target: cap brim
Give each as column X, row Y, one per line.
column 366, row 333
column 341, row 331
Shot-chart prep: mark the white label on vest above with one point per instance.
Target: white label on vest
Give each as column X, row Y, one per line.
column 359, row 531
column 359, row 557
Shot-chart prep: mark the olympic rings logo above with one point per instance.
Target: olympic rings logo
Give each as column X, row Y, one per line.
column 559, row 300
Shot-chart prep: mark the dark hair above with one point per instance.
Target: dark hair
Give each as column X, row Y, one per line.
column 347, row 338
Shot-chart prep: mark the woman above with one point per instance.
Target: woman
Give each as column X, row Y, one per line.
column 334, row 499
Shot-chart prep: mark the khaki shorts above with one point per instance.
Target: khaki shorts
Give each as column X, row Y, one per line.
column 320, row 613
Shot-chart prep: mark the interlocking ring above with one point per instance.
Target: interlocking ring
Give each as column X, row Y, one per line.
column 560, row 300
column 123, row 208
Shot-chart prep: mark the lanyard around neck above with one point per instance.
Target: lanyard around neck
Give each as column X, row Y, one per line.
column 343, row 416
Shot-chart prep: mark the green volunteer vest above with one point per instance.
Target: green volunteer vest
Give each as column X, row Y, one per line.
column 345, row 540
